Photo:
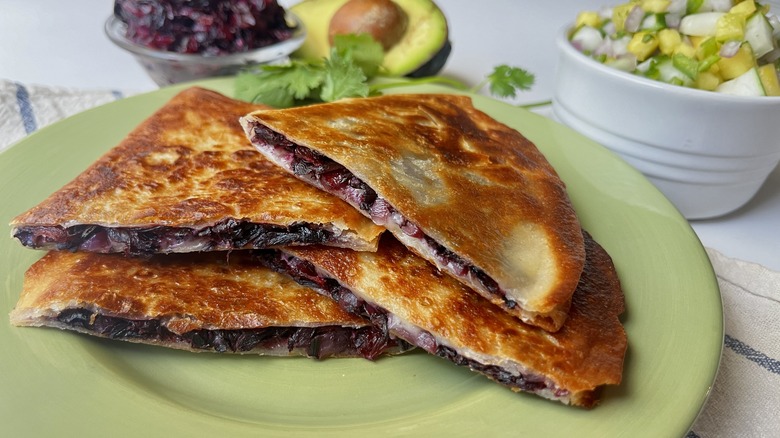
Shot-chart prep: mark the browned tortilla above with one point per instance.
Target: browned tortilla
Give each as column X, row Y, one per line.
column 189, row 167
column 188, row 298
column 471, row 184
column 442, row 316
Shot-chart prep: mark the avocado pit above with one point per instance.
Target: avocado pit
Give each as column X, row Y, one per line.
column 421, row 49
column 384, row 20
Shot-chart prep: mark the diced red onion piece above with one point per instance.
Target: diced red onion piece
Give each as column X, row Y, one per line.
column 608, row 28
column 730, row 48
column 676, row 7
column 634, row 19
column 605, row 48
column 627, row 62
column 673, row 20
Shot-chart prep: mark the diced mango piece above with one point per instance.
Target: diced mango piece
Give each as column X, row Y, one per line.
column 714, row 69
column 708, row 81
column 588, row 18
column 696, row 40
column 655, row 6
column 619, row 15
column 743, row 61
column 668, row 39
column 642, row 45
column 730, row 27
column 768, row 75
column 745, row 8
column 685, row 49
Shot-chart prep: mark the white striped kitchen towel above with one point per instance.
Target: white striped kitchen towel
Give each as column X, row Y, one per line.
column 745, row 399
column 26, row 108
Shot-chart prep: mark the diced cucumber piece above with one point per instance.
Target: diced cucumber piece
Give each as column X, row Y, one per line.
column 709, row 47
column 746, row 84
column 693, row 6
column 710, row 6
column 758, row 32
column 644, row 67
column 665, row 71
column 719, row 5
column 653, row 22
column 620, row 46
column 701, row 24
column 685, row 64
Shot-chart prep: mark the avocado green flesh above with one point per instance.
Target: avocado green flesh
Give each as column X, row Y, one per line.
column 424, row 41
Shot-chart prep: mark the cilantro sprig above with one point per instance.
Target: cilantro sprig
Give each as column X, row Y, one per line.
column 354, row 60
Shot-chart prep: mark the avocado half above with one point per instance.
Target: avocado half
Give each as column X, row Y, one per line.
column 422, row 51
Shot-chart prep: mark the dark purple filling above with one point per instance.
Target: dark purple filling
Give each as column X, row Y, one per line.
column 210, row 27
column 320, row 342
column 226, row 235
column 335, row 178
column 305, row 273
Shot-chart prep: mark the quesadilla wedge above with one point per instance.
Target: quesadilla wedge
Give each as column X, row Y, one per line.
column 198, row 302
column 187, row 179
column 395, row 289
column 462, row 190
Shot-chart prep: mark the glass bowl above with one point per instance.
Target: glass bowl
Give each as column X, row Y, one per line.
column 166, row 68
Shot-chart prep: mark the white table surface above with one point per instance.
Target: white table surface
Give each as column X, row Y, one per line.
column 61, row 43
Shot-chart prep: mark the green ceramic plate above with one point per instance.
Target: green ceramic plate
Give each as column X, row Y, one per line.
column 57, row 383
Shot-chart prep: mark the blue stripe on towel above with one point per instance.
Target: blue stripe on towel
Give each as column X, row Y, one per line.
column 117, row 94
column 749, row 353
column 25, row 109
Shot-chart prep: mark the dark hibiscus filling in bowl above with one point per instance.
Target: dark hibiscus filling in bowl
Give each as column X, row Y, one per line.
column 206, row 27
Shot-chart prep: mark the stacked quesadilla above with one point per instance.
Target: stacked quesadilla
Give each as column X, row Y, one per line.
column 485, row 263
column 465, row 192
column 397, row 290
column 185, row 182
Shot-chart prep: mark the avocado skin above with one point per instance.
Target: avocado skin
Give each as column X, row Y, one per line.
column 435, row 64
column 422, row 51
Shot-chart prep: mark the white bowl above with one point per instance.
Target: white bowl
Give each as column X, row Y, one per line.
column 708, row 152
column 166, row 68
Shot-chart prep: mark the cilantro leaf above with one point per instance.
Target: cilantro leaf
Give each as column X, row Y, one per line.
column 363, row 49
column 280, row 86
column 506, row 80
column 353, row 60
column 343, row 78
